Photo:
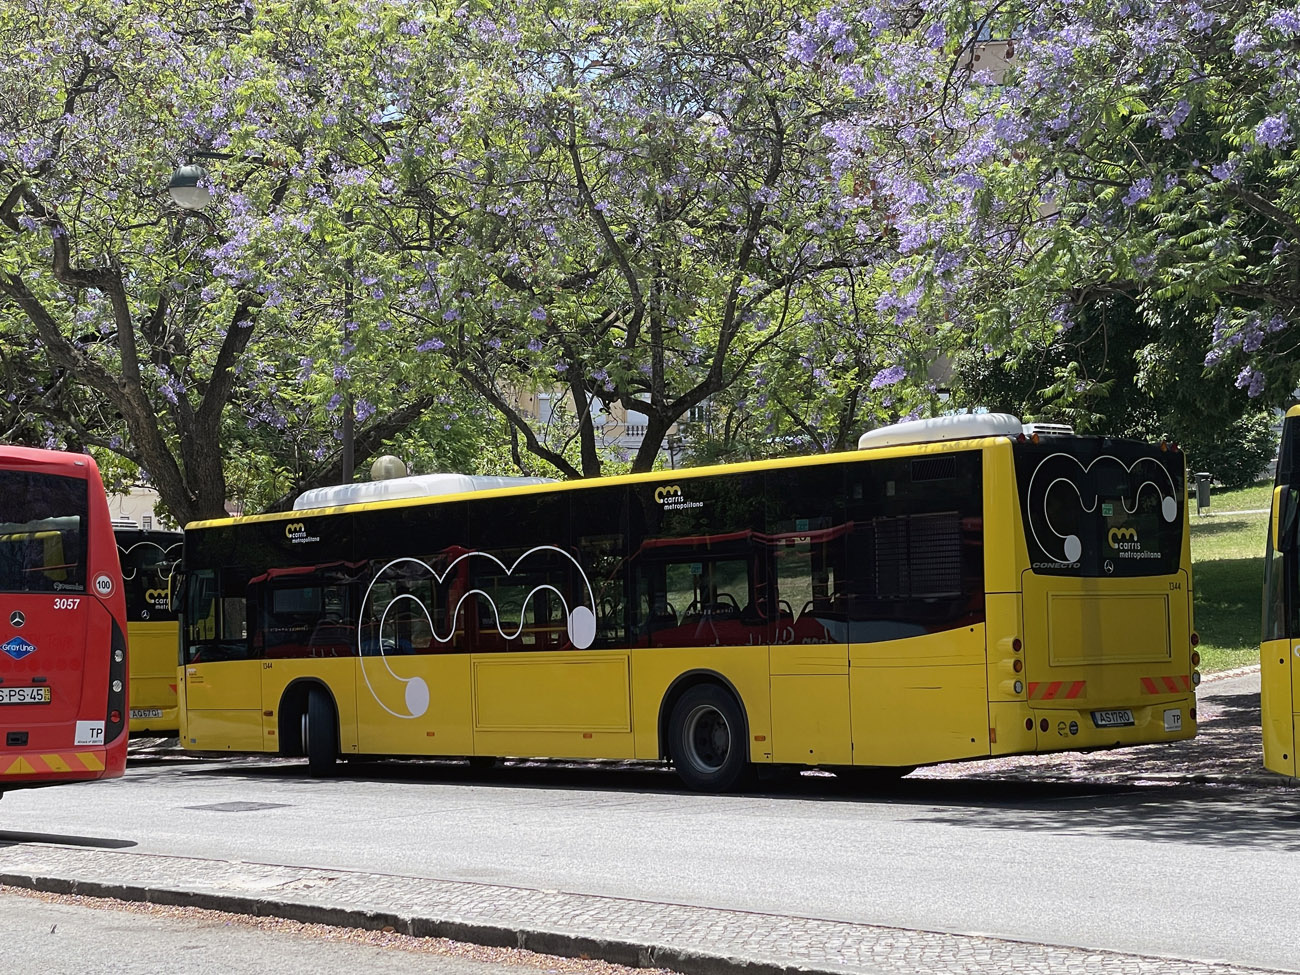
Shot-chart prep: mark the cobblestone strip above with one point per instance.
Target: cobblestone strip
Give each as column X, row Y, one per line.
column 692, row 940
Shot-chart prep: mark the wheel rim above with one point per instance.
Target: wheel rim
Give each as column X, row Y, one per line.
column 707, row 738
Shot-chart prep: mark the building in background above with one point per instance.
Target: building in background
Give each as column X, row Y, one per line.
column 616, row 428
column 139, row 506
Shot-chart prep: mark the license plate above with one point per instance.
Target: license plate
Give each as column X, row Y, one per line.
column 1118, row 718
column 146, row 713
column 24, row 695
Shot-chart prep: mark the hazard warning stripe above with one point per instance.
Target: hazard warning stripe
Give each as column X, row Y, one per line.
column 1166, row 684
column 1066, row 690
column 54, row 762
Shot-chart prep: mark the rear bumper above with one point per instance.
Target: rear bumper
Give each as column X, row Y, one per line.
column 1166, row 721
column 1020, row 728
column 28, row 767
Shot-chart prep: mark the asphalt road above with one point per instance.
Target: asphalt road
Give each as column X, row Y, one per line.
column 1193, row 871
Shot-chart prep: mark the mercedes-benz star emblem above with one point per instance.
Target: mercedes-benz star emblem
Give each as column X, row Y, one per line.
column 16, row 618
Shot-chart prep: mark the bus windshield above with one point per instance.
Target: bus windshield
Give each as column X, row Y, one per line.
column 43, row 536
column 148, row 559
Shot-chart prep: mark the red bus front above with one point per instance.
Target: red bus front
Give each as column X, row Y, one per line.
column 63, row 671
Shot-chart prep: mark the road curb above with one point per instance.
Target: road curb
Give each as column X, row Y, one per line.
column 1215, row 675
column 630, row 953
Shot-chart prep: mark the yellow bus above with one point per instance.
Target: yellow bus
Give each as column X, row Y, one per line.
column 1279, row 652
column 954, row 589
column 148, row 558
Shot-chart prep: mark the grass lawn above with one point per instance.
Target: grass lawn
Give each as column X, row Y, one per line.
column 1228, row 575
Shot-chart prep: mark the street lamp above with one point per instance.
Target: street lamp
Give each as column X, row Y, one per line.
column 188, row 187
column 387, row 466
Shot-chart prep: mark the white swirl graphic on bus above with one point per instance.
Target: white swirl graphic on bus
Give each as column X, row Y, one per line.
column 580, row 619
column 163, row 566
column 1072, row 547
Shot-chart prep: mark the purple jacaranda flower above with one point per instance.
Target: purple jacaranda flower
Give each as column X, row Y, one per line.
column 1251, row 380
column 1224, row 170
column 1246, row 42
column 1140, row 190
column 1285, row 20
column 1273, row 131
column 888, row 377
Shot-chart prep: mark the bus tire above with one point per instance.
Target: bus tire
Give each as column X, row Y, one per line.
column 706, row 739
column 320, row 733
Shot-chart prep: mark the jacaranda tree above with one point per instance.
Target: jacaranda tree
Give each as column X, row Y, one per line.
column 256, row 312
column 1078, row 149
column 636, row 202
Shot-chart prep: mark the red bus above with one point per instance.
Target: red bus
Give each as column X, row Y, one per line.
column 63, row 666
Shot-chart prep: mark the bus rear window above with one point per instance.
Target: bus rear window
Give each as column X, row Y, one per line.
column 1101, row 508
column 43, row 535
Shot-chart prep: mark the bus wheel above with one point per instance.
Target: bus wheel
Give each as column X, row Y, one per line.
column 320, row 733
column 706, row 739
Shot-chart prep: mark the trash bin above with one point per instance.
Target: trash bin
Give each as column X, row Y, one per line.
column 1202, row 490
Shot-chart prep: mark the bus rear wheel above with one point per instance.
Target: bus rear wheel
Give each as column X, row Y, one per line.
column 320, row 733
column 706, row 739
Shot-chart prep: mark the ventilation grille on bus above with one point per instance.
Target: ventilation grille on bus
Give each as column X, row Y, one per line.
column 1049, row 429
column 918, row 555
column 934, row 468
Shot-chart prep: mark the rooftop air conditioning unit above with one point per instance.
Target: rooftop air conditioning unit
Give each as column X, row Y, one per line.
column 1049, row 429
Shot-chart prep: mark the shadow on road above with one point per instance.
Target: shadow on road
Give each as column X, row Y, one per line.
column 1263, row 820
column 10, row 837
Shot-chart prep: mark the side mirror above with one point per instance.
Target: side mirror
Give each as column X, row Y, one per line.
column 1282, row 528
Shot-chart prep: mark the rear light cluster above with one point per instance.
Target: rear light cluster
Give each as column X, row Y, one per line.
column 1196, row 659
column 114, row 724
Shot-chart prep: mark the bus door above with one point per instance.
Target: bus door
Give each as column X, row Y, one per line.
column 1279, row 654
column 542, row 682
column 911, row 598
column 1107, row 598
column 809, row 638
column 222, row 686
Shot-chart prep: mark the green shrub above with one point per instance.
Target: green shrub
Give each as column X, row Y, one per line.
column 1236, row 455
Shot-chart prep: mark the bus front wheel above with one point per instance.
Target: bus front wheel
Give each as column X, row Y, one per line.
column 706, row 739
column 320, row 733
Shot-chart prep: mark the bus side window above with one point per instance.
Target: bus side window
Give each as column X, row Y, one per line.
column 234, row 619
column 216, row 622
column 200, row 613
